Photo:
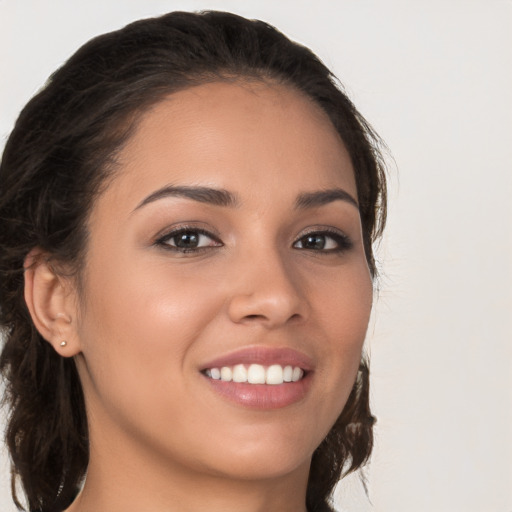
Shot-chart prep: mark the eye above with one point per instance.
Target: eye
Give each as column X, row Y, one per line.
column 188, row 240
column 324, row 241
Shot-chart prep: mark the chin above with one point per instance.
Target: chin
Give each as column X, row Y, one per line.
column 268, row 454
column 266, row 468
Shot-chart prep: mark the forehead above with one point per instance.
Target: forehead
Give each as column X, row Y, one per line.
column 243, row 136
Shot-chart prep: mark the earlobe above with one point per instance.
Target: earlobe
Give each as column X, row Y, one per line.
column 50, row 301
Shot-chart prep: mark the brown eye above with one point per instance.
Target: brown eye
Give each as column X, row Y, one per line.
column 316, row 242
column 189, row 240
column 323, row 242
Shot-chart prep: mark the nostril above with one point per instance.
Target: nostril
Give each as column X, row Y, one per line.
column 254, row 317
column 267, row 308
column 295, row 317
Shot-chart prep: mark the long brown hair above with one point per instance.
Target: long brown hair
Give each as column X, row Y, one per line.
column 56, row 161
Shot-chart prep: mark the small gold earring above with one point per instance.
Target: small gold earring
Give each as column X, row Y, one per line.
column 63, row 343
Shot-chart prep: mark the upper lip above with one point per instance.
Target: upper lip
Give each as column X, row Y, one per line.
column 265, row 356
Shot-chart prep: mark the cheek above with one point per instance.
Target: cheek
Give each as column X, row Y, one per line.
column 145, row 294
column 140, row 323
column 139, row 336
column 342, row 311
column 343, row 303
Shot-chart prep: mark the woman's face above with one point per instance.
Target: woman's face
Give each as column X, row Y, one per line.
column 229, row 242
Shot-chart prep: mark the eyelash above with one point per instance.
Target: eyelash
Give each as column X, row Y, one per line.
column 343, row 242
column 182, row 230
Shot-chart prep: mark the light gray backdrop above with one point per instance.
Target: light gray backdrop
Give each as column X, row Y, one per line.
column 435, row 79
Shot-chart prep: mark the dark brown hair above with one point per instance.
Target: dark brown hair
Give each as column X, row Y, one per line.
column 58, row 157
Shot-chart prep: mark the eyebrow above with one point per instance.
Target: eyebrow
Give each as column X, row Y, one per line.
column 222, row 197
column 323, row 197
column 215, row 196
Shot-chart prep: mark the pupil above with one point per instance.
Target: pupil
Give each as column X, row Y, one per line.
column 187, row 240
column 315, row 242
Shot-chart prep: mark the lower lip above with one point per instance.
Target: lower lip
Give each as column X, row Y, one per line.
column 262, row 396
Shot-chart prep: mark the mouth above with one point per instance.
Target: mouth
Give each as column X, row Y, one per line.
column 260, row 377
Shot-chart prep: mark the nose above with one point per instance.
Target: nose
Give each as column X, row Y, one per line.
column 267, row 291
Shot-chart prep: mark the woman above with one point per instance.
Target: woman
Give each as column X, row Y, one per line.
column 187, row 216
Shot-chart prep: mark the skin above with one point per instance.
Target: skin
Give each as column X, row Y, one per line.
column 149, row 316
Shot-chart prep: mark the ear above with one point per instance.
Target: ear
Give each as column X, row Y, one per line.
column 51, row 301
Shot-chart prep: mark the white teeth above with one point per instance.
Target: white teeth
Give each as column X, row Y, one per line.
column 256, row 374
column 239, row 373
column 287, row 373
column 297, row 374
column 274, row 374
column 226, row 374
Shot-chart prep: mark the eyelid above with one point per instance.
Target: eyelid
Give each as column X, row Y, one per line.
column 170, row 232
column 342, row 239
column 191, row 225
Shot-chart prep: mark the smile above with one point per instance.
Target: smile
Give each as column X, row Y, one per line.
column 274, row 374
column 259, row 377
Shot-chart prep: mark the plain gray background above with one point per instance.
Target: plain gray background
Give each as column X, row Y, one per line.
column 434, row 78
